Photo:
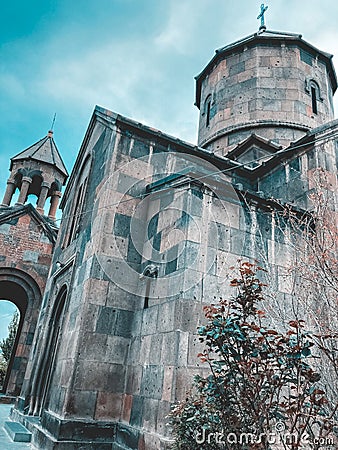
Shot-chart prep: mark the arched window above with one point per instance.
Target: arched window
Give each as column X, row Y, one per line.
column 48, row 360
column 34, row 188
column 78, row 209
column 16, row 191
column 314, row 99
column 207, row 110
column 149, row 273
column 312, row 88
column 55, row 338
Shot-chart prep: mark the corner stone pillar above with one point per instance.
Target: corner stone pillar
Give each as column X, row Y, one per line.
column 54, row 204
column 42, row 197
column 11, row 185
column 26, row 181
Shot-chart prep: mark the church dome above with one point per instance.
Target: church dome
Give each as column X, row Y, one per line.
column 273, row 84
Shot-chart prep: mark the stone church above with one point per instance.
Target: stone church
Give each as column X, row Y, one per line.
column 110, row 302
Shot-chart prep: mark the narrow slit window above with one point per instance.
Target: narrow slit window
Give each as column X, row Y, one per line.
column 207, row 121
column 150, row 272
column 314, row 100
column 146, row 297
column 207, row 110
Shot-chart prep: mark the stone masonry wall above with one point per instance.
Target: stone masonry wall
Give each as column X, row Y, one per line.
column 25, row 254
column 129, row 341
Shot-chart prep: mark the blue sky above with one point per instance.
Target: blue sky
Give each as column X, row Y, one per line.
column 7, row 310
column 135, row 57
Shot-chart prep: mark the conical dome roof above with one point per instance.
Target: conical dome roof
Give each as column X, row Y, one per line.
column 44, row 150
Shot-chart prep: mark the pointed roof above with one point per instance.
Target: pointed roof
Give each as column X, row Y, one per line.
column 254, row 139
column 44, row 150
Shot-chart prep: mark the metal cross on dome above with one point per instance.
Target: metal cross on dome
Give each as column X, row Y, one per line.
column 261, row 15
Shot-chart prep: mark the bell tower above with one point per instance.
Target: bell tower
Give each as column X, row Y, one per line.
column 38, row 170
column 27, row 238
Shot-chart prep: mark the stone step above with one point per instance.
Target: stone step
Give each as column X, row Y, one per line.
column 17, row 432
column 7, row 399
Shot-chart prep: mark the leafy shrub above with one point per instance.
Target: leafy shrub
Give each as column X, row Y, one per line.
column 261, row 381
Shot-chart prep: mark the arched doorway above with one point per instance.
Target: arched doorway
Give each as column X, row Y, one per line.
column 10, row 326
column 19, row 288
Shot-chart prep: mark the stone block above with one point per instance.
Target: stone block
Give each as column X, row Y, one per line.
column 150, row 318
column 171, row 266
column 151, row 441
column 5, row 228
column 183, row 381
column 191, row 254
column 133, row 253
column 82, row 403
column 150, row 408
column 127, row 206
column 124, row 323
column 195, row 347
column 130, row 185
column 121, row 225
column 187, row 314
column 136, row 416
column 127, row 402
column 100, row 376
column 30, row 256
column 182, row 351
column 17, row 432
column 108, row 406
column 192, row 284
column 168, row 217
column 166, row 314
column 168, row 378
column 155, row 348
column 226, row 213
column 144, row 355
column 152, row 381
column 240, row 242
column 116, row 349
column 152, row 226
column 169, row 348
column 97, row 292
column 119, row 298
column 134, row 350
column 134, row 377
column 106, row 321
column 94, row 346
column 139, row 149
column 164, row 409
column 236, row 68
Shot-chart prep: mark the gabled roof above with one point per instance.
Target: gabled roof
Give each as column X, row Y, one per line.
column 253, row 139
column 264, row 37
column 14, row 212
column 44, row 150
column 325, row 132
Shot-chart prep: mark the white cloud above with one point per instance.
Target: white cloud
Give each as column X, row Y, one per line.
column 142, row 70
